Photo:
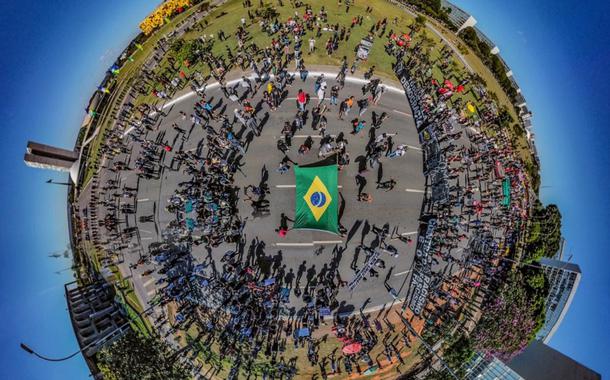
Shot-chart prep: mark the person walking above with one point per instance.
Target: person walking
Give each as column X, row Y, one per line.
column 301, row 100
column 349, row 103
column 322, row 91
column 363, row 105
column 334, row 93
column 312, row 45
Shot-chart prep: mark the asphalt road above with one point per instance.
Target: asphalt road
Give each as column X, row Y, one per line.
column 400, row 207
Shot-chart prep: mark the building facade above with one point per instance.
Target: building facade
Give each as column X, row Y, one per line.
column 541, row 362
column 537, row 362
column 482, row 368
column 43, row 156
column 563, row 278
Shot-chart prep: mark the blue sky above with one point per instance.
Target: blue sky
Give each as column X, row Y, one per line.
column 55, row 53
column 558, row 51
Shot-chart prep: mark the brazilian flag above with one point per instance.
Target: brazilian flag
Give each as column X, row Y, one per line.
column 317, row 197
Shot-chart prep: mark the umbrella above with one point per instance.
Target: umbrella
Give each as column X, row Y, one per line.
column 353, row 348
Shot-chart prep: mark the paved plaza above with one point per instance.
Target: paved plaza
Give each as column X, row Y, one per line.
column 295, row 254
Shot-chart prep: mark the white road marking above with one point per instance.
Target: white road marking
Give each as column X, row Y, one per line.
column 234, row 81
column 293, row 186
column 409, row 233
column 141, row 230
column 401, row 273
column 147, row 238
column 415, row 191
column 143, row 200
column 151, row 293
column 414, row 147
column 315, row 242
column 150, row 281
column 402, row 113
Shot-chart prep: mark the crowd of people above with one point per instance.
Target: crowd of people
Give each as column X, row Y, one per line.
column 242, row 305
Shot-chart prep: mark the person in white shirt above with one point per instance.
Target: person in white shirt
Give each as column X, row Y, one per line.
column 322, row 92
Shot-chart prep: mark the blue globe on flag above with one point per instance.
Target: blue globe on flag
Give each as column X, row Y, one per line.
column 318, row 199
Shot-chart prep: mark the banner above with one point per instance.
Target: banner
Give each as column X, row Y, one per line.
column 422, row 270
column 316, row 197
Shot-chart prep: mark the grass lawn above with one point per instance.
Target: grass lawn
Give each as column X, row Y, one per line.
column 227, row 17
column 127, row 73
column 519, row 137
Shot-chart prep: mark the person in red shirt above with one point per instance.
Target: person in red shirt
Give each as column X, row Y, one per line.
column 301, row 100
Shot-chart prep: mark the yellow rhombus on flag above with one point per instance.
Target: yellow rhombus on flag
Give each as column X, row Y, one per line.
column 316, row 198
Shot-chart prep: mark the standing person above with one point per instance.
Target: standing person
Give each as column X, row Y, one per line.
column 301, row 100
column 312, row 45
column 334, row 93
column 246, row 83
column 379, row 119
column 390, row 146
column 378, row 92
column 303, row 73
column 239, row 115
column 282, row 147
column 288, row 132
column 322, row 91
column 361, row 182
column 342, row 109
column 350, row 103
column 363, row 105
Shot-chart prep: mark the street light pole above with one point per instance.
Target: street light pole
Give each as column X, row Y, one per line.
column 31, row 351
column 111, row 334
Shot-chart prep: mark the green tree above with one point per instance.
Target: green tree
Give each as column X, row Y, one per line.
column 544, row 233
column 136, row 357
column 458, row 351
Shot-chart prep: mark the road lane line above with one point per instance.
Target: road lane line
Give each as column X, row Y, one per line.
column 189, row 94
column 315, row 242
column 401, row 273
column 328, row 242
column 143, row 200
column 403, row 113
column 293, row 186
column 414, row 147
column 150, row 281
column 415, row 191
column 409, row 233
